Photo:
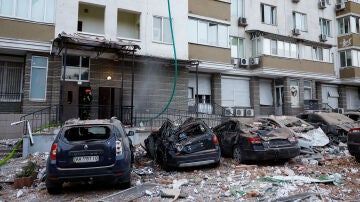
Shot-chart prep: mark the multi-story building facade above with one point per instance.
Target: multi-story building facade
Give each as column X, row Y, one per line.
column 236, row 57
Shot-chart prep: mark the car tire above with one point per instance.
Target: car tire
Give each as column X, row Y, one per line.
column 53, row 187
column 237, row 154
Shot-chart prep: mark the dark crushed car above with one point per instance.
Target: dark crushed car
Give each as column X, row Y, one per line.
column 256, row 142
column 354, row 115
column 353, row 143
column 336, row 126
column 190, row 144
column 90, row 150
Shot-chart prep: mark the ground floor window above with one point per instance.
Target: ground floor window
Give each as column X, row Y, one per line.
column 11, row 76
column 330, row 96
column 235, row 92
column 266, row 93
column 38, row 78
column 352, row 98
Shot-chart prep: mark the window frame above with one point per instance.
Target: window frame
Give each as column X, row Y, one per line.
column 303, row 23
column 31, row 76
column 239, row 8
column 308, row 88
column 240, row 51
column 80, row 70
column 161, row 30
column 29, row 10
column 272, row 17
column 325, row 26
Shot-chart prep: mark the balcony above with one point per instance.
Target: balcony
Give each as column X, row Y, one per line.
column 350, row 7
column 209, row 53
column 350, row 73
column 296, row 65
column 210, row 8
column 91, row 19
column 128, row 25
column 349, row 40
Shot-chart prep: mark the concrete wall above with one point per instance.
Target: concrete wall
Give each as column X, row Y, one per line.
column 7, row 131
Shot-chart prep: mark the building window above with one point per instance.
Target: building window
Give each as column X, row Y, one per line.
column 38, row 78
column 307, row 90
column 268, row 14
column 34, row 10
column 325, row 26
column 11, row 79
column 256, row 47
column 77, row 68
column 317, row 53
column 91, row 19
column 161, row 30
column 345, row 58
column 237, row 47
column 266, row 93
column 279, row 48
column 300, row 21
column 191, row 93
column 237, row 8
column 208, row 33
column 344, row 25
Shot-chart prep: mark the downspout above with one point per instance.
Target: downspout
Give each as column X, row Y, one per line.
column 132, row 87
column 61, row 113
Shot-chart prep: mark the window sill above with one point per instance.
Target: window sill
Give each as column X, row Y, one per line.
column 128, row 39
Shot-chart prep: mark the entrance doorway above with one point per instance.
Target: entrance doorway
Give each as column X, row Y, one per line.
column 109, row 102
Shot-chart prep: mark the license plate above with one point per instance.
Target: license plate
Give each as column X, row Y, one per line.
column 85, row 159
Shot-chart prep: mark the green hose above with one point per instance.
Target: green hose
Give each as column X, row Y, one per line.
column 2, row 162
column 176, row 68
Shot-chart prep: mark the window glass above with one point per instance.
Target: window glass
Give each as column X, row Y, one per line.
column 286, row 49
column 38, row 78
column 274, row 47
column 6, row 7
column 167, row 31
column 37, row 10
column 203, row 37
column 268, row 14
column 22, row 9
column 212, row 34
column 50, row 11
column 223, row 36
column 234, row 47
column 193, row 33
column 280, row 47
column 300, row 21
column 293, row 50
column 266, row 46
column 342, row 59
column 348, row 58
column 157, row 29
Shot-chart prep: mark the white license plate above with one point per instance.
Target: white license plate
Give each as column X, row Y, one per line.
column 85, row 159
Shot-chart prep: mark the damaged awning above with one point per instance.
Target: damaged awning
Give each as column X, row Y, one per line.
column 95, row 44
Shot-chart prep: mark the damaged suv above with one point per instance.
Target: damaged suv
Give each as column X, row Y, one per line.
column 90, row 150
column 192, row 143
column 256, row 142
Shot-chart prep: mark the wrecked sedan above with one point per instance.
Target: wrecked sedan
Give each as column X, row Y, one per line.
column 307, row 134
column 336, row 126
column 354, row 115
column 353, row 143
column 192, row 143
column 90, row 150
column 256, row 142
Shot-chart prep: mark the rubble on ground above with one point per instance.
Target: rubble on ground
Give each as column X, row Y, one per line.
column 330, row 174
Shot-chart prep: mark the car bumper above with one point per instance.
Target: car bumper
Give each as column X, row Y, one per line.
column 195, row 159
column 112, row 172
column 271, row 153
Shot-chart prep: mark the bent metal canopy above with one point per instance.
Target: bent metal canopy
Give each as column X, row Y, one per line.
column 95, row 44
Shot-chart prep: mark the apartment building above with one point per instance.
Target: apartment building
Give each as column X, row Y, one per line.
column 92, row 59
column 282, row 56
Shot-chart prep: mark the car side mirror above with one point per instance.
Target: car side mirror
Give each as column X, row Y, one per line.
column 131, row 133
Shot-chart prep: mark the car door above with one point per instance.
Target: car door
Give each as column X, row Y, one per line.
column 230, row 137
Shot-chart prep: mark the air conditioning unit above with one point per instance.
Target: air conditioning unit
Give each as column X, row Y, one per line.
column 322, row 4
column 340, row 110
column 249, row 112
column 239, row 112
column 340, row 6
column 295, row 1
column 243, row 62
column 296, row 32
column 229, row 112
column 323, row 37
column 242, row 22
column 254, row 61
column 235, row 61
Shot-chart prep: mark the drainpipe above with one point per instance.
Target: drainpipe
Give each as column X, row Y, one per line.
column 132, row 87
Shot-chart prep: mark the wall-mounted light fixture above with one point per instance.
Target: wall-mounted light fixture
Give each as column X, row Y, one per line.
column 108, row 78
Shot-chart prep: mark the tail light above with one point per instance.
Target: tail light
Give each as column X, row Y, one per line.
column 293, row 138
column 354, row 130
column 254, row 140
column 119, row 148
column 53, row 151
column 215, row 140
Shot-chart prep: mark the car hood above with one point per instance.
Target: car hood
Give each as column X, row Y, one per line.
column 278, row 133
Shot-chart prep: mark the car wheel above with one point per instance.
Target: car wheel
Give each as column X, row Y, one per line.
column 53, row 187
column 237, row 154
